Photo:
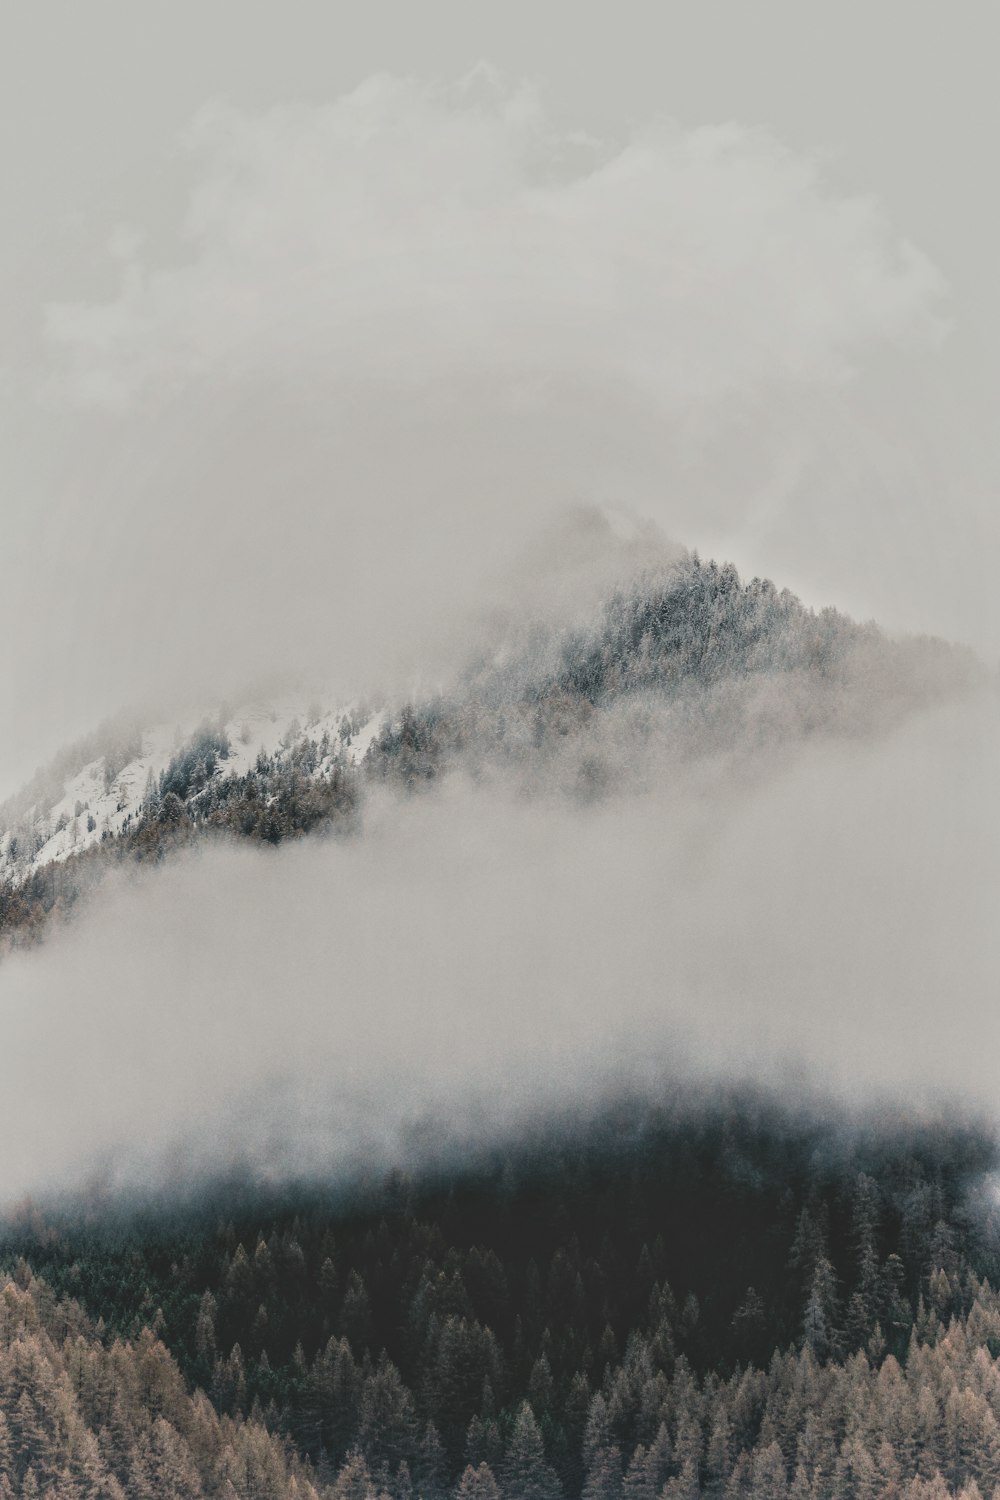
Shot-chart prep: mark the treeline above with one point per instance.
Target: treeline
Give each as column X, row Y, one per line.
column 286, row 795
column 86, row 1417
column 295, row 791
column 687, row 1301
column 691, row 662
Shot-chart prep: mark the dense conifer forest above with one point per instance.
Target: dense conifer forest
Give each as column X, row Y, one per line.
column 729, row 1298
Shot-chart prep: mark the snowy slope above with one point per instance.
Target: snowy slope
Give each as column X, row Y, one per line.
column 93, row 806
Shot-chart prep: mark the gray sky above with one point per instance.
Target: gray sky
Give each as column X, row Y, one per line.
column 237, row 505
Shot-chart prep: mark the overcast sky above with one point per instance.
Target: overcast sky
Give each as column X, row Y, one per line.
column 300, row 323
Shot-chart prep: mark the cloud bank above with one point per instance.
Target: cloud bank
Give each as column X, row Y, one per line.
column 408, row 234
column 478, row 955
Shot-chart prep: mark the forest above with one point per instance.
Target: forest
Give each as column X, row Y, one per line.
column 692, row 1295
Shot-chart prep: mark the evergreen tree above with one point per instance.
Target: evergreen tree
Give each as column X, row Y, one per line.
column 477, row 1484
column 527, row 1475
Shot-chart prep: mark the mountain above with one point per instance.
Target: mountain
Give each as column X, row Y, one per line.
column 661, row 1290
column 683, row 662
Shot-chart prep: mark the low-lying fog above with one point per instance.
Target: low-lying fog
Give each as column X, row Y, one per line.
column 478, row 953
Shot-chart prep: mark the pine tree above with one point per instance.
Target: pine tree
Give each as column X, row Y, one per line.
column 638, row 1483
column 484, row 1444
column 356, row 1313
column 431, row 1469
column 768, row 1478
column 819, row 1325
column 386, row 1419
column 477, row 1484
column 604, row 1475
column 526, row 1473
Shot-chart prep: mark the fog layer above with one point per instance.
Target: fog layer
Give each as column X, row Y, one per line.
column 477, row 954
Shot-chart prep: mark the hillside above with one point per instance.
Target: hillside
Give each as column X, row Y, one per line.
column 709, row 1298
column 676, row 1295
column 686, row 663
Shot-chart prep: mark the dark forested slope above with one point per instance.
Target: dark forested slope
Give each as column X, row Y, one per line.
column 725, row 1299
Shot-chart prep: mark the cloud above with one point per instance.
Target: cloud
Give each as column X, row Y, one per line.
column 411, row 234
column 477, row 955
column 392, row 336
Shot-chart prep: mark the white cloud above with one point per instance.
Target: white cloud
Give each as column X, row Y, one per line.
column 408, row 233
column 477, row 954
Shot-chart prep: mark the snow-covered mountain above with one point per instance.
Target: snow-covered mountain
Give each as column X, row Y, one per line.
column 103, row 799
column 686, row 662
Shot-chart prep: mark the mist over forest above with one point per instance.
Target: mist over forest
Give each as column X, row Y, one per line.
column 556, row 1098
column 499, row 816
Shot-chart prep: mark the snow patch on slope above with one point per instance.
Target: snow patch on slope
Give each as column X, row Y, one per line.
column 94, row 806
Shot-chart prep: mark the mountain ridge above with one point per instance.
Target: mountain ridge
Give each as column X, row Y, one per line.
column 685, row 661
